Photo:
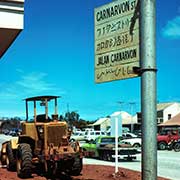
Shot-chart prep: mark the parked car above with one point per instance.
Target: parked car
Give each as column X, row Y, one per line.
column 77, row 136
column 128, row 135
column 92, row 135
column 103, row 148
column 134, row 142
column 138, row 133
column 166, row 136
column 14, row 132
column 5, row 131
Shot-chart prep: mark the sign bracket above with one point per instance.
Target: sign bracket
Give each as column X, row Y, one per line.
column 140, row 71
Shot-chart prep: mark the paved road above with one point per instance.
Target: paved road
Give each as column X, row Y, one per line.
column 168, row 164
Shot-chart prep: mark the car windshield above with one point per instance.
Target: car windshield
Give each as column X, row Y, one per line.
column 108, row 140
column 76, row 134
column 168, row 132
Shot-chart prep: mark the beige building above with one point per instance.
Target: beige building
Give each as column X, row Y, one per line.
column 104, row 124
column 165, row 111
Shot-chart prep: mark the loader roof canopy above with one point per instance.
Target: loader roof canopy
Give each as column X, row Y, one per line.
column 41, row 98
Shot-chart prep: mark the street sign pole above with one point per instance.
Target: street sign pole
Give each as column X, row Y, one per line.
column 148, row 89
column 116, row 145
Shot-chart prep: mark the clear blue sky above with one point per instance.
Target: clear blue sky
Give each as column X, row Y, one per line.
column 54, row 55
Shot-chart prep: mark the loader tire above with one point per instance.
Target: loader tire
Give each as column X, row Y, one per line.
column 10, row 159
column 24, row 161
column 76, row 167
column 3, row 154
column 49, row 174
column 3, row 159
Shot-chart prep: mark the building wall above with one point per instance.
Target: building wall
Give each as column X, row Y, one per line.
column 105, row 125
column 172, row 110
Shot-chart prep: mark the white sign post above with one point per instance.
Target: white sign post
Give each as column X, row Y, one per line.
column 116, row 146
column 116, row 130
column 116, row 48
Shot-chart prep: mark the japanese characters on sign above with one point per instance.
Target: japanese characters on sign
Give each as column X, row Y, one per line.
column 116, row 49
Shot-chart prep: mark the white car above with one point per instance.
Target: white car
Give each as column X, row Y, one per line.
column 92, row 135
column 134, row 142
column 79, row 136
column 128, row 135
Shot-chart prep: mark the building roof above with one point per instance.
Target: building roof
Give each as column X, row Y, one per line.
column 100, row 121
column 129, row 120
column 11, row 22
column 162, row 106
column 13, row 1
column 175, row 121
column 126, row 118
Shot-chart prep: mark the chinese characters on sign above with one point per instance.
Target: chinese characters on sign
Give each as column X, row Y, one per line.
column 116, row 50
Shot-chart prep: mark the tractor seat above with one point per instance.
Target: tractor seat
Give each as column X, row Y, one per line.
column 42, row 118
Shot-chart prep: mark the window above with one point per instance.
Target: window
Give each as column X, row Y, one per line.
column 169, row 116
column 128, row 135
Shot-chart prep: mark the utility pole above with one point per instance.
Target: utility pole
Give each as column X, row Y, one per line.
column 148, row 89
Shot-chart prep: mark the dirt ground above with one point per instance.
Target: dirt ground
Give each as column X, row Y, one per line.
column 89, row 172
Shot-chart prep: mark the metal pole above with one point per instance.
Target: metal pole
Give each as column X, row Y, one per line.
column 35, row 112
column 46, row 109
column 116, row 145
column 26, row 110
column 56, row 108
column 148, row 89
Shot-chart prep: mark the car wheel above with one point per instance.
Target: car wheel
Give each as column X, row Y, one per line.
column 162, row 145
column 136, row 145
column 72, row 140
column 105, row 156
column 177, row 147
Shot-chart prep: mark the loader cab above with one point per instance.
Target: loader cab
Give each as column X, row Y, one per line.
column 44, row 102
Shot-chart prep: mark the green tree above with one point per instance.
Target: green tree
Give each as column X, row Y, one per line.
column 71, row 118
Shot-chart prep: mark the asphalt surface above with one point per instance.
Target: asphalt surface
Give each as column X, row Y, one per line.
column 168, row 162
